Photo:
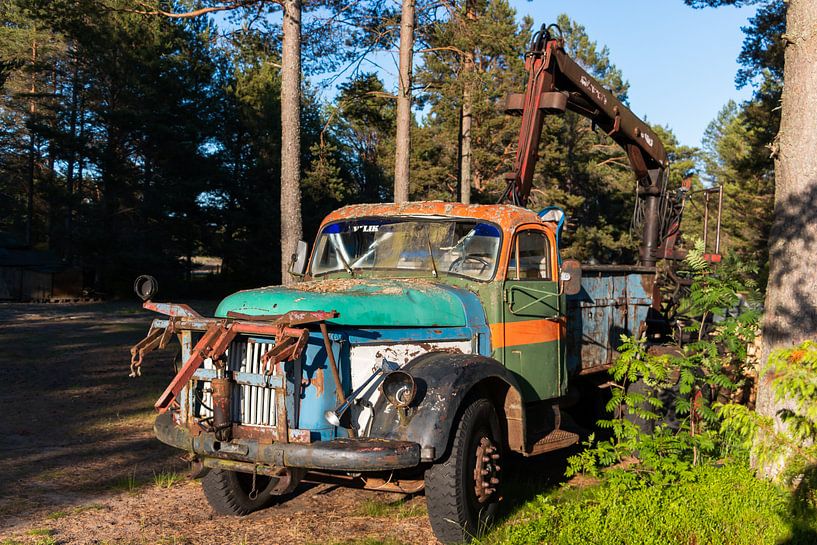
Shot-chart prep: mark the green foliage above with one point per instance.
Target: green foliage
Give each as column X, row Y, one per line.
column 723, row 505
column 683, row 381
column 739, row 143
column 150, row 140
column 363, row 126
column 736, row 155
column 488, row 32
column 792, row 446
column 659, row 456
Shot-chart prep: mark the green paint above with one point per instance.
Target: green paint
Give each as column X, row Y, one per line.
column 374, row 303
column 540, row 367
column 537, row 368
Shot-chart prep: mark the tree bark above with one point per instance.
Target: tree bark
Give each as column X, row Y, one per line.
column 465, row 139
column 291, row 228
column 403, row 139
column 72, row 154
column 32, row 148
column 467, row 109
column 791, row 295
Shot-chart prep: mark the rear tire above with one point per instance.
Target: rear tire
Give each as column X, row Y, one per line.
column 229, row 492
column 457, row 512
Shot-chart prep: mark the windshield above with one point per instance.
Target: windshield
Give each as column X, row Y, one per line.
column 435, row 246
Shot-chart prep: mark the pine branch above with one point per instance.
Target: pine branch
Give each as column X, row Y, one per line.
column 149, row 10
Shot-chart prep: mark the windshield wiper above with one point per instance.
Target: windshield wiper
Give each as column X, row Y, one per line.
column 345, row 264
column 340, row 256
column 431, row 254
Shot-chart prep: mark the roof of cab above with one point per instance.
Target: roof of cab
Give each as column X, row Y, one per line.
column 507, row 216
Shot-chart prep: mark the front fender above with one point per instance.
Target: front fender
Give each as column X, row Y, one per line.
column 444, row 382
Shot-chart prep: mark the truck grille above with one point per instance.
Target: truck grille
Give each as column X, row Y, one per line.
column 252, row 405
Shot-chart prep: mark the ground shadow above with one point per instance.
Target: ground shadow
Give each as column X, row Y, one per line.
column 75, row 425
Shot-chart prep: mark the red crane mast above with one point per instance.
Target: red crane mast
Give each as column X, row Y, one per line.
column 556, row 83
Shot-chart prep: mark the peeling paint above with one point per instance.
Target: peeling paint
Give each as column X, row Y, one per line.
column 317, row 382
column 364, row 358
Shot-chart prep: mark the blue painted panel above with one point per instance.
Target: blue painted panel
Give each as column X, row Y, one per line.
column 250, row 379
column 475, row 316
column 611, row 303
column 318, row 394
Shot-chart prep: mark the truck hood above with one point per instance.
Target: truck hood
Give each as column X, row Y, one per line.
column 360, row 302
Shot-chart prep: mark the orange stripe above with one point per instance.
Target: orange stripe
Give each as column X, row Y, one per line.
column 527, row 332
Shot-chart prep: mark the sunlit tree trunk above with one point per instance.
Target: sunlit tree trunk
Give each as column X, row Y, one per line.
column 403, row 140
column 791, row 296
column 72, row 157
column 467, row 114
column 32, row 147
column 291, row 227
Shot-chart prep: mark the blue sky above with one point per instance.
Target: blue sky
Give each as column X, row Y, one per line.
column 680, row 62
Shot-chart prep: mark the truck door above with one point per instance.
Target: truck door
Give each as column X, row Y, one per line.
column 533, row 317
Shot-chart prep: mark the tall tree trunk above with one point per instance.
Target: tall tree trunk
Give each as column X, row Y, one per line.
column 791, row 296
column 466, row 111
column 403, row 140
column 53, row 228
column 80, row 151
column 291, row 228
column 465, row 139
column 32, row 148
column 72, row 155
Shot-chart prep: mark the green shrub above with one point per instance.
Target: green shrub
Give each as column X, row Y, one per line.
column 794, row 445
column 706, row 362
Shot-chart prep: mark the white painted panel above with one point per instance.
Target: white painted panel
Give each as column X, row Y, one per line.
column 365, row 360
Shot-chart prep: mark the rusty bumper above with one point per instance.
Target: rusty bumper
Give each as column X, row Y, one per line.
column 336, row 455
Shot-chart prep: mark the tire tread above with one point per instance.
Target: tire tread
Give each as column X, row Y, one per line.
column 446, row 510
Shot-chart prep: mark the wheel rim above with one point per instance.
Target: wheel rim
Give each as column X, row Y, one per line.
column 486, row 470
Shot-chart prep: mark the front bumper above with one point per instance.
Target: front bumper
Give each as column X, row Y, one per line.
column 336, row 455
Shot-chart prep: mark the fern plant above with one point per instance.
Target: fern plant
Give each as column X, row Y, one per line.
column 707, row 362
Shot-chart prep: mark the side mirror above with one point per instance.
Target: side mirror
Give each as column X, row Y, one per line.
column 571, row 277
column 146, row 287
column 298, row 265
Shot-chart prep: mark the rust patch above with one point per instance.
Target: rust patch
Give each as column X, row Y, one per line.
column 317, row 382
column 384, row 287
column 507, row 216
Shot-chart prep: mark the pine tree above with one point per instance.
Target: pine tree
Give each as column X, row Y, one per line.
column 475, row 53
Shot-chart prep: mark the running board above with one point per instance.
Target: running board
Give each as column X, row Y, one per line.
column 555, row 440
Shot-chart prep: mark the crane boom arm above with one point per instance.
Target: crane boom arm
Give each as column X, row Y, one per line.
column 557, row 83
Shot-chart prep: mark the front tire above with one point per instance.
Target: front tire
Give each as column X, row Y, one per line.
column 462, row 491
column 231, row 492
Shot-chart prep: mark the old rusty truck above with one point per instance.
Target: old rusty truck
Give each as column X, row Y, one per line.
column 425, row 342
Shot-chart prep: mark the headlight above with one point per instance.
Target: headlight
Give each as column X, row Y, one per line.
column 399, row 388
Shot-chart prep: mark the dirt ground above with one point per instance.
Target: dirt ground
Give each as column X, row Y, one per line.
column 79, row 463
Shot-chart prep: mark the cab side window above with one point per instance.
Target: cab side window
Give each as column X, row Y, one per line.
column 530, row 257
